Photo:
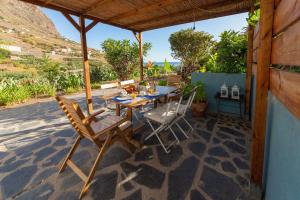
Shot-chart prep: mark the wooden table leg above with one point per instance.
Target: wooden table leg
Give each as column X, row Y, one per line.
column 166, row 99
column 241, row 114
column 155, row 103
column 129, row 113
column 218, row 107
column 118, row 109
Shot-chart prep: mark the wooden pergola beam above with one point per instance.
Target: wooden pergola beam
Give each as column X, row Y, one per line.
column 157, row 5
column 86, row 66
column 62, row 6
column 262, row 87
column 48, row 1
column 91, row 25
column 73, row 12
column 136, row 35
column 71, row 20
column 94, row 6
column 198, row 18
column 182, row 13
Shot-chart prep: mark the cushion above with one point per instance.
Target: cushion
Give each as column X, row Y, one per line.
column 160, row 115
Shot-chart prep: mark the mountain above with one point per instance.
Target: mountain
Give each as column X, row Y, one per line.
column 26, row 26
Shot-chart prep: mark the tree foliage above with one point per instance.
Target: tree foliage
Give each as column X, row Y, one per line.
column 230, row 55
column 232, row 52
column 50, row 69
column 123, row 56
column 191, row 47
column 253, row 16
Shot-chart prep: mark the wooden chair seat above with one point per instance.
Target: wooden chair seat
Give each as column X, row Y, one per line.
column 103, row 131
column 104, row 123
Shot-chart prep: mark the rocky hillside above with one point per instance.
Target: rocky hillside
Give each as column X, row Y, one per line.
column 27, row 18
column 26, row 26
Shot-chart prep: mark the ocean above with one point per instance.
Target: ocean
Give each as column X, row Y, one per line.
column 175, row 64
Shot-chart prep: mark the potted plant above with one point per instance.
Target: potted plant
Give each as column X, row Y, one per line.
column 144, row 85
column 199, row 104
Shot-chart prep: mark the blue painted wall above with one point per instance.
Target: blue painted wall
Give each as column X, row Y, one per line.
column 282, row 156
column 213, row 82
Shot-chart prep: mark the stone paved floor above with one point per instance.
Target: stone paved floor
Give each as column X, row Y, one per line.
column 212, row 164
column 21, row 125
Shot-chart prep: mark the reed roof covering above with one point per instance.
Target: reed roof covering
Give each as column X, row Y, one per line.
column 143, row 15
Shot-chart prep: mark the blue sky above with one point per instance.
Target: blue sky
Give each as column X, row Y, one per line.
column 158, row 38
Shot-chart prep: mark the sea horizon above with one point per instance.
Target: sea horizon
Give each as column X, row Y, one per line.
column 161, row 63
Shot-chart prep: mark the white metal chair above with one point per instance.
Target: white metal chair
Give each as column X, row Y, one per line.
column 164, row 117
column 182, row 109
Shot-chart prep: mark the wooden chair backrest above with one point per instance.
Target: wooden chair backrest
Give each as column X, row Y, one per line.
column 173, row 80
column 76, row 116
column 109, row 85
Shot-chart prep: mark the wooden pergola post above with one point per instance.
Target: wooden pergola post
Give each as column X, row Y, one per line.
column 138, row 37
column 249, row 65
column 141, row 56
column 86, row 67
column 262, row 87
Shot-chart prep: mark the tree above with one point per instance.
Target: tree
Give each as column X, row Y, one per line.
column 50, row 69
column 232, row 52
column 191, row 48
column 123, row 56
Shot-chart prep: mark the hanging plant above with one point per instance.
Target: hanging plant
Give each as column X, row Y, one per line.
column 253, row 16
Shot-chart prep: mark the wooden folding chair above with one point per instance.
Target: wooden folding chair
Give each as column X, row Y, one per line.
column 103, row 132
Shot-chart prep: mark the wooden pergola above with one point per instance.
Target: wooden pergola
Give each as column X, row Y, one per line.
column 137, row 16
column 144, row 15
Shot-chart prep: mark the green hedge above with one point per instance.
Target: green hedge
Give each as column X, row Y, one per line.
column 18, row 91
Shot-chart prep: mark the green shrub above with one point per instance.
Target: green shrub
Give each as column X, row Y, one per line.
column 18, row 91
column 71, row 90
column 4, row 53
column 38, row 89
column 14, row 94
column 101, row 73
column 50, row 70
column 200, row 91
column 232, row 52
column 67, row 81
column 16, row 75
column 162, row 82
column 96, row 85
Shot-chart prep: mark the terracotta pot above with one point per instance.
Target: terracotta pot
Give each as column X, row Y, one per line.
column 199, row 108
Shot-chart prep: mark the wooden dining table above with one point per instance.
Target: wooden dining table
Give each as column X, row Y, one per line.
column 141, row 100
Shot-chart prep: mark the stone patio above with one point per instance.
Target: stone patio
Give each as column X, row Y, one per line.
column 212, row 164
